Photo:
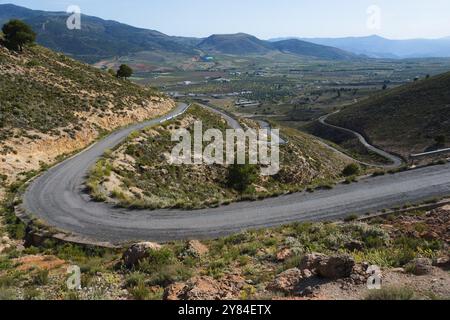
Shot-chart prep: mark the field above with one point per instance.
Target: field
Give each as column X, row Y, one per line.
column 292, row 91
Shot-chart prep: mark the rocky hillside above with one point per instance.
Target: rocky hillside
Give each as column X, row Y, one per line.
column 138, row 173
column 301, row 261
column 51, row 105
column 410, row 119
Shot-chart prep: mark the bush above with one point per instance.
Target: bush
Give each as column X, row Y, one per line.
column 241, row 177
column 41, row 277
column 391, row 293
column 352, row 217
column 162, row 268
column 140, row 292
column 352, row 169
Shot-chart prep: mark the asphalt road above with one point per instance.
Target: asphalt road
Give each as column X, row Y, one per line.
column 58, row 198
column 396, row 162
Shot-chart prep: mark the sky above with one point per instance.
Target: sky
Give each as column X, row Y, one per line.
column 398, row 19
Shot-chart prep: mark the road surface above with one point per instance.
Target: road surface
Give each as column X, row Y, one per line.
column 396, row 162
column 58, row 198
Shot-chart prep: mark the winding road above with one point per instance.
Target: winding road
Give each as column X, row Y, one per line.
column 396, row 162
column 58, row 198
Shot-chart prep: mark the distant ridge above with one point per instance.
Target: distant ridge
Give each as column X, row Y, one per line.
column 100, row 39
column 378, row 47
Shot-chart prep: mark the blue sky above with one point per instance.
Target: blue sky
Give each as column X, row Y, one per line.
column 399, row 19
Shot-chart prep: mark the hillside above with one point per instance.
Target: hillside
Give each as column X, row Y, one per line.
column 303, row 48
column 97, row 38
column 51, row 105
column 237, row 44
column 405, row 120
column 100, row 39
column 244, row 44
column 138, row 173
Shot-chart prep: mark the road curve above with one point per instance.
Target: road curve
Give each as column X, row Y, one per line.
column 396, row 162
column 58, row 198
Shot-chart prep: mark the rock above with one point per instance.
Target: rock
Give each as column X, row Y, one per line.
column 172, row 292
column 307, row 274
column 286, row 281
column 443, row 263
column 398, row 270
column 311, row 261
column 284, row 254
column 309, row 291
column 430, row 236
column 138, row 252
column 420, row 266
column 354, row 245
column 195, row 249
column 206, row 288
column 336, row 267
column 4, row 247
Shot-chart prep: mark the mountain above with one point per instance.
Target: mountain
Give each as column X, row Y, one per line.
column 237, row 44
column 304, row 48
column 100, row 39
column 378, row 47
column 404, row 120
column 244, row 44
column 97, row 38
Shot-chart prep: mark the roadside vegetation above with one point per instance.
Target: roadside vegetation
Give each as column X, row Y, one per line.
column 249, row 265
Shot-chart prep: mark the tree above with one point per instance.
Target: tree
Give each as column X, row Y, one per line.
column 124, row 71
column 18, row 34
column 351, row 170
column 241, row 177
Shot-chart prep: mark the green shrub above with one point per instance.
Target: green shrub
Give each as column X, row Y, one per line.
column 352, row 217
column 241, row 177
column 390, row 294
column 140, row 292
column 133, row 279
column 41, row 277
column 352, row 169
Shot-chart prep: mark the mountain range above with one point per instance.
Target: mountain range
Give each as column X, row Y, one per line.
column 99, row 39
column 378, row 47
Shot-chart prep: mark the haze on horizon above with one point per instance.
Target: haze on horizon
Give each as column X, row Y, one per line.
column 400, row 19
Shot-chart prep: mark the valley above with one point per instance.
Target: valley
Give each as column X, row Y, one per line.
column 87, row 123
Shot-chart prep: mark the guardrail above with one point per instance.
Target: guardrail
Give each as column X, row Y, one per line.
column 431, row 153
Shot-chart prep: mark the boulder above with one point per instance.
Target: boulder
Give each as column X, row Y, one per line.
column 420, row 266
column 336, row 267
column 138, row 252
column 443, row 263
column 206, row 288
column 286, row 281
column 284, row 254
column 311, row 261
column 172, row 292
column 195, row 249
